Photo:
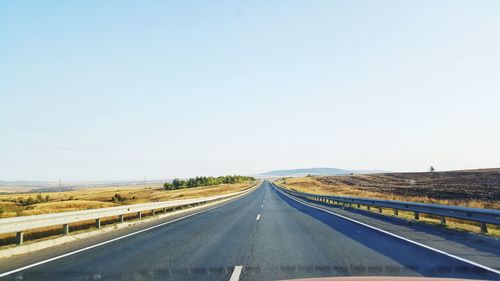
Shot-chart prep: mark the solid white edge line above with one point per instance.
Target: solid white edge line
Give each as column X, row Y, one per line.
column 394, row 235
column 236, row 273
column 117, row 238
column 258, row 217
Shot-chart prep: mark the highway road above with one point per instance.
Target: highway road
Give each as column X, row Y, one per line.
column 262, row 236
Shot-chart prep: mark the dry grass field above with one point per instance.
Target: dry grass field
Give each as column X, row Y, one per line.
column 468, row 188
column 91, row 198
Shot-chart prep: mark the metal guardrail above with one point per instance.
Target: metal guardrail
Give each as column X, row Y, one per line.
column 19, row 224
column 482, row 216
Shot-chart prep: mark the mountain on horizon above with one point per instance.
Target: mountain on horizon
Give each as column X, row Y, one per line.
column 315, row 172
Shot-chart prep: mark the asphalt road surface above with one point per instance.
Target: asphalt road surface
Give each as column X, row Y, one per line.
column 264, row 236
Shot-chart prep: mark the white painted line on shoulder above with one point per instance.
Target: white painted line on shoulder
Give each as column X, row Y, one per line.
column 236, row 273
column 258, row 217
column 115, row 239
column 395, row 235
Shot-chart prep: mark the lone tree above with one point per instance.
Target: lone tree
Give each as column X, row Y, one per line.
column 431, row 169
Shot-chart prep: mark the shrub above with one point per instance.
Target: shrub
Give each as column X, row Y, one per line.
column 30, row 201
column 118, row 198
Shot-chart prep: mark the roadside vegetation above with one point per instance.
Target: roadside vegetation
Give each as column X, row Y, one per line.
column 470, row 188
column 25, row 204
column 205, row 181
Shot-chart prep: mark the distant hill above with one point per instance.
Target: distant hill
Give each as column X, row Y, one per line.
column 315, row 172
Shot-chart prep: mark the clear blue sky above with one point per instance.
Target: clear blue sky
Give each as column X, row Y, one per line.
column 106, row 90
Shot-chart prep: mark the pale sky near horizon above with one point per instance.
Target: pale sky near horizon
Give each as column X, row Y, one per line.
column 119, row 90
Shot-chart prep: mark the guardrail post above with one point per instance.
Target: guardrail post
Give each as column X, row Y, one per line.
column 121, row 218
column 443, row 220
column 98, row 223
column 479, row 217
column 165, row 210
column 484, row 229
column 19, row 238
column 139, row 215
column 65, row 229
column 154, row 212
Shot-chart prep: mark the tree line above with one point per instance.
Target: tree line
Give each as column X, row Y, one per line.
column 205, row 181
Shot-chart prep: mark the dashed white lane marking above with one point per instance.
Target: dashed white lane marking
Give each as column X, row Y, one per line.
column 236, row 273
column 258, row 217
column 262, row 206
